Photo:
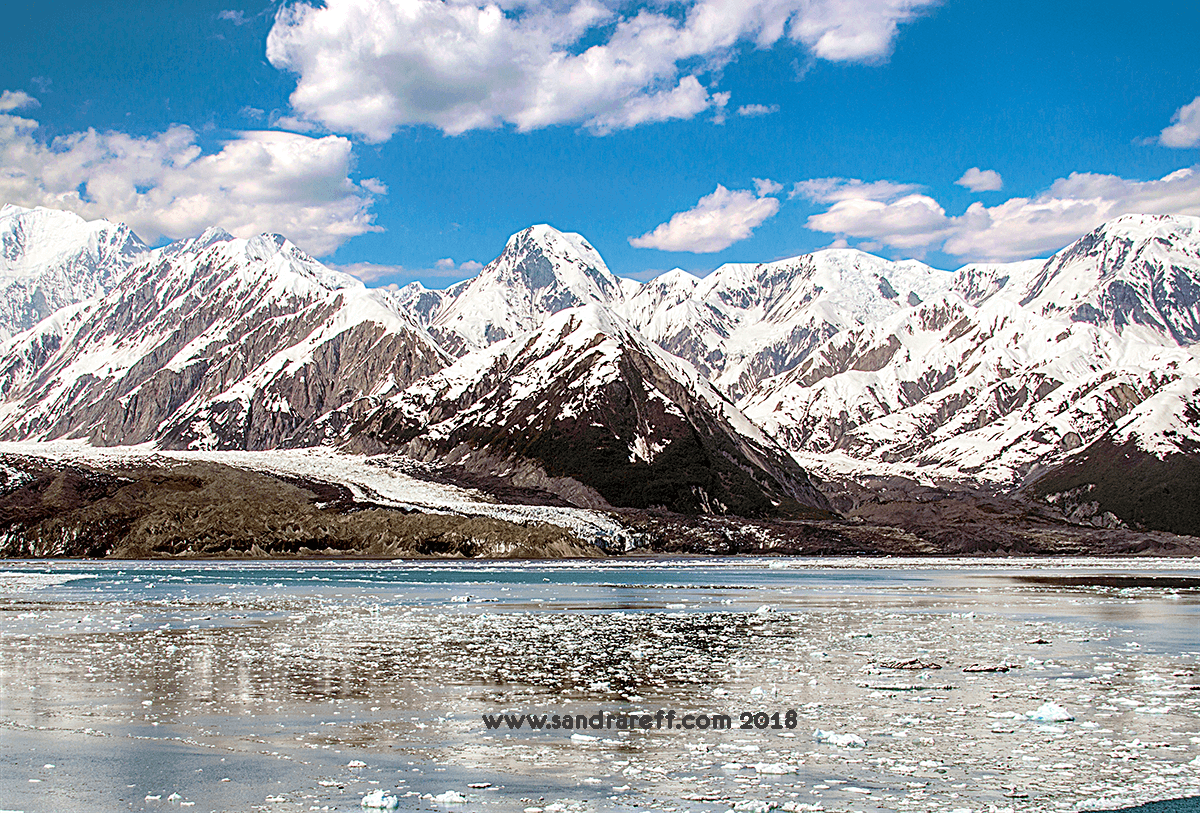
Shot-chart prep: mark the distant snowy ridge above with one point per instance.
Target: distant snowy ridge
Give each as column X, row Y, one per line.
column 1044, row 359
column 50, row 259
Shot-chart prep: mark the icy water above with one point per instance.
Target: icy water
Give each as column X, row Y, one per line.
column 308, row 685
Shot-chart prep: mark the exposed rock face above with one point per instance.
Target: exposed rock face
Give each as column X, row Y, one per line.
column 606, row 416
column 212, row 343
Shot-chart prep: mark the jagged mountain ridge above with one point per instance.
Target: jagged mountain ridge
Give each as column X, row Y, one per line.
column 211, row 343
column 1044, row 359
column 747, row 322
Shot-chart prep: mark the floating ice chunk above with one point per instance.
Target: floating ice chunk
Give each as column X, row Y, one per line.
column 584, row 738
column 839, row 740
column 765, row 609
column 1050, row 712
column 754, row 806
column 380, row 800
column 356, row 763
column 450, row 797
column 774, row 768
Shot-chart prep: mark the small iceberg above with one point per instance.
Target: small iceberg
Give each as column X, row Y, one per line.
column 381, row 800
column 1050, row 713
column 840, row 740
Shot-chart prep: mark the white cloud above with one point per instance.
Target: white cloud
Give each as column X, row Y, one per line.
column 911, row 222
column 1185, row 127
column 832, row 190
column 1017, row 228
column 371, row 272
column 442, row 269
column 981, row 180
column 16, row 100
column 372, row 66
column 765, row 186
column 757, row 109
column 164, row 186
column 718, row 221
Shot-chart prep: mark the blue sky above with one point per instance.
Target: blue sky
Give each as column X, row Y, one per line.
column 406, row 139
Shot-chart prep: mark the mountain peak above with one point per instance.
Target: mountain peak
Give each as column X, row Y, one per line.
column 51, row 258
column 542, row 271
column 1140, row 227
column 1135, row 271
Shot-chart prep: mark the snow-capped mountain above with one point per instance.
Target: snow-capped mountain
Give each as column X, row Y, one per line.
column 211, row 343
column 744, row 323
column 50, row 259
column 680, row 392
column 1051, row 356
column 1134, row 272
column 991, row 393
column 587, row 408
column 542, row 271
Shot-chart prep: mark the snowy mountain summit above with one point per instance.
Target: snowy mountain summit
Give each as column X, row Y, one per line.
column 542, row 271
column 50, row 259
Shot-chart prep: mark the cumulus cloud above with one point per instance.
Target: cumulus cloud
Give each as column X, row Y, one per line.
column 910, row 222
column 372, row 66
column 981, row 180
column 165, row 186
column 715, row 223
column 447, row 266
column 1018, row 228
column 1185, row 127
column 16, row 100
column 765, row 186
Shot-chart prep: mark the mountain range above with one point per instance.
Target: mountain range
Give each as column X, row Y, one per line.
column 767, row 391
